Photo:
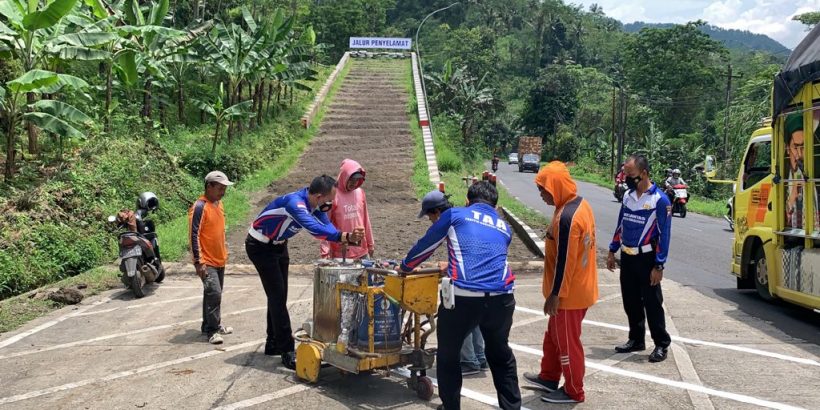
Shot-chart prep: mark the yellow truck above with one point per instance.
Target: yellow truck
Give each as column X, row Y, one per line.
column 776, row 247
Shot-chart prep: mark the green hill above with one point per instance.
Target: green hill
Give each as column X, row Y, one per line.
column 733, row 39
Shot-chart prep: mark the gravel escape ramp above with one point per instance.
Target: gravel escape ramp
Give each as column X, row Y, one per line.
column 367, row 121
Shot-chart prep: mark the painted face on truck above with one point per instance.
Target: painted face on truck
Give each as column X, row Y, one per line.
column 796, row 145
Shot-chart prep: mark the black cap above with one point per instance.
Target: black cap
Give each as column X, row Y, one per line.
column 431, row 201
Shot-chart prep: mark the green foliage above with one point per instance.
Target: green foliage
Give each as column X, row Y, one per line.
column 810, row 19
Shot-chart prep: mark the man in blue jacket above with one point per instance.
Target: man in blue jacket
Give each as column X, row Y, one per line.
column 477, row 241
column 267, row 248
column 642, row 235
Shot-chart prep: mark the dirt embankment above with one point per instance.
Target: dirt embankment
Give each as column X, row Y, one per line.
column 367, row 122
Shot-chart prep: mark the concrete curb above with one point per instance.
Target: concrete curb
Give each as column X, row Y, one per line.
column 424, row 123
column 313, row 108
column 179, row 268
column 527, row 235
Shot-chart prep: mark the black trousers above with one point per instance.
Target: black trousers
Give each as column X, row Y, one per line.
column 643, row 302
column 271, row 262
column 494, row 316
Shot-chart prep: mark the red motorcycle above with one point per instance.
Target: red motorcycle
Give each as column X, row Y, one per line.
column 620, row 186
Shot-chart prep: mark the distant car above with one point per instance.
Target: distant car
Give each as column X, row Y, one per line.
column 529, row 162
column 513, row 159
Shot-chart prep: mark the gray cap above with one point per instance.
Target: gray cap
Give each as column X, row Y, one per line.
column 431, row 201
column 219, row 177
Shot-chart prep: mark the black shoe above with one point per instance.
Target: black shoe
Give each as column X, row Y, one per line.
column 469, row 370
column 289, row 360
column 658, row 354
column 630, row 346
column 545, row 385
column 484, row 365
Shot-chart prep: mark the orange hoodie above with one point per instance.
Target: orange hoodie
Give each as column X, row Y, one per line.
column 570, row 269
column 349, row 212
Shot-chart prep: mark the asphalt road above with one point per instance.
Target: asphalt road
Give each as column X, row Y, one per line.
column 699, row 257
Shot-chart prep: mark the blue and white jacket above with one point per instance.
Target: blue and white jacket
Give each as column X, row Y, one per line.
column 286, row 215
column 643, row 221
column 477, row 242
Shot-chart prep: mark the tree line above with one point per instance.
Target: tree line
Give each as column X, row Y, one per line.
column 68, row 66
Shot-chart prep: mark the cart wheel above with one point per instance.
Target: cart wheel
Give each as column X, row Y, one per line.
column 424, row 388
column 308, row 362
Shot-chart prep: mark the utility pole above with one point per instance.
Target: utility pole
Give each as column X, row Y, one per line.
column 612, row 139
column 622, row 125
column 729, row 77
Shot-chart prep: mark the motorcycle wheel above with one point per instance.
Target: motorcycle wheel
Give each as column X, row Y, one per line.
column 161, row 275
column 137, row 282
column 683, row 210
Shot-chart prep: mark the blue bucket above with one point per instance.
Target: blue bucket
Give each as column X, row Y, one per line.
column 386, row 326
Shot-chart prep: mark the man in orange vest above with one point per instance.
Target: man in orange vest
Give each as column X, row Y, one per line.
column 570, row 285
column 206, row 228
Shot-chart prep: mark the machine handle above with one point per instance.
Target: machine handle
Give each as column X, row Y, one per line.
column 391, row 272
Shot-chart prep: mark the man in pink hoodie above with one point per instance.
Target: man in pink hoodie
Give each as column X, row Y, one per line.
column 350, row 211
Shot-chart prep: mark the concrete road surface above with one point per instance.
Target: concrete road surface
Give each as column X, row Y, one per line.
column 699, row 257
column 115, row 352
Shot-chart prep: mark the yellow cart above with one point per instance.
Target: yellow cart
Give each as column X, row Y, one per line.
column 415, row 293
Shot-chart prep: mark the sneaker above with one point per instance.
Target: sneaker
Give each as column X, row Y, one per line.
column 215, row 339
column 484, row 366
column 545, row 385
column 289, row 360
column 558, row 396
column 469, row 370
column 630, row 346
column 224, row 330
column 658, row 354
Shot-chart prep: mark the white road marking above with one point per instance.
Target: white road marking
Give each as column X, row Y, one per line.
column 20, row 336
column 161, row 302
column 465, row 392
column 132, row 332
column 265, row 397
column 672, row 383
column 696, row 341
column 696, row 229
column 126, row 373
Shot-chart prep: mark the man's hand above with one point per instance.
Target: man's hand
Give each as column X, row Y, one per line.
column 356, row 236
column 610, row 262
column 442, row 268
column 200, row 270
column 551, row 305
column 370, row 253
column 655, row 277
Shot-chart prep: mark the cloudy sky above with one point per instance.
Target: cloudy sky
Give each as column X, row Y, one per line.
column 772, row 18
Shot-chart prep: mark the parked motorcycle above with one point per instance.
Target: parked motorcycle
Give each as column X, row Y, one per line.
column 140, row 261
column 730, row 212
column 679, row 195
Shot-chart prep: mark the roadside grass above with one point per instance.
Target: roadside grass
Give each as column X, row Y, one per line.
column 18, row 310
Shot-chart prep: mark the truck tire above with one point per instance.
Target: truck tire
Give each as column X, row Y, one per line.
column 760, row 269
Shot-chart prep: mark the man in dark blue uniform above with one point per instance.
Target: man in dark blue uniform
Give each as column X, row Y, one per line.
column 477, row 241
column 267, row 248
column 642, row 236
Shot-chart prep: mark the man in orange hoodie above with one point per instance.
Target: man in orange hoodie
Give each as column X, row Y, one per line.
column 349, row 212
column 570, row 285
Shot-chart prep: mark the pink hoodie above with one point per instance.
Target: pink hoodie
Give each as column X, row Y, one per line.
column 349, row 212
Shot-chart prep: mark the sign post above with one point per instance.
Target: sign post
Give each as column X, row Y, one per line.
column 390, row 43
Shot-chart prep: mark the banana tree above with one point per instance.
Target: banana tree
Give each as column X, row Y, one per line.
column 29, row 25
column 235, row 112
column 54, row 116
